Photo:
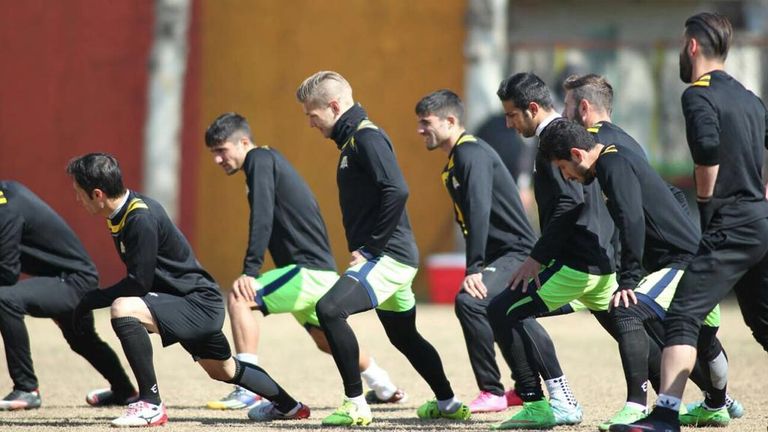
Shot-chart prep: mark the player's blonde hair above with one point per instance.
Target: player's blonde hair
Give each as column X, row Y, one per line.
column 324, row 86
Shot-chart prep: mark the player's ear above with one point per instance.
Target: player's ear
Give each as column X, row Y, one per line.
column 576, row 155
column 335, row 107
column 533, row 108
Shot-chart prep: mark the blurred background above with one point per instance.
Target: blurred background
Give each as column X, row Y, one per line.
column 143, row 79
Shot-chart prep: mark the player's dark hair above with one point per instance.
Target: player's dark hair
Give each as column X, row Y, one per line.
column 591, row 87
column 97, row 171
column 441, row 103
column 712, row 31
column 226, row 126
column 561, row 136
column 523, row 88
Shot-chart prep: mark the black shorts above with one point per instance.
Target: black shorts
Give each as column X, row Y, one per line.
column 194, row 321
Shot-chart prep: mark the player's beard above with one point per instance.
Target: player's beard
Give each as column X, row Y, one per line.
column 686, row 66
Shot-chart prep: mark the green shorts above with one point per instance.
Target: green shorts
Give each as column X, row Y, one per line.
column 562, row 285
column 294, row 289
column 658, row 288
column 388, row 283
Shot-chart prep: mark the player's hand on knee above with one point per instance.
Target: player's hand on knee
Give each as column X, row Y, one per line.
column 244, row 288
column 624, row 296
column 474, row 286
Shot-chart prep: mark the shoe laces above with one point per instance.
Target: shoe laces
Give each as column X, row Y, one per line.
column 484, row 396
column 134, row 409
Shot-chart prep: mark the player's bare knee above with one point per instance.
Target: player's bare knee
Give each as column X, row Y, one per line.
column 124, row 307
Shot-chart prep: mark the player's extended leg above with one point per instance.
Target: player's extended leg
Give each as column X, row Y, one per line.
column 42, row 297
column 383, row 390
column 25, row 393
column 245, row 335
column 479, row 340
column 214, row 356
column 723, row 259
column 400, row 327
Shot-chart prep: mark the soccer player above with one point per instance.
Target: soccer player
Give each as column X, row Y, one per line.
column 372, row 194
column 285, row 219
column 36, row 241
column 589, row 102
column 498, row 238
column 727, row 130
column 166, row 291
column 572, row 260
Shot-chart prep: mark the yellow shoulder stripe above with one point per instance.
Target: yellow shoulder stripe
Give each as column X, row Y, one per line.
column 364, row 124
column 610, row 149
column 135, row 203
column 3, row 199
column 594, row 128
column 704, row 81
column 466, row 138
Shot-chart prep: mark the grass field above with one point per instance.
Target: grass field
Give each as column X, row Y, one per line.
column 588, row 356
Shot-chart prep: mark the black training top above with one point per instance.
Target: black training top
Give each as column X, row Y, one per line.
column 156, row 254
column 654, row 229
column 284, row 216
column 35, row 240
column 727, row 125
column 576, row 227
column 372, row 190
column 486, row 203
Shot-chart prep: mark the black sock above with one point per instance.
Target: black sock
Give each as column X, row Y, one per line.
column 633, row 349
column 258, row 381
column 138, row 350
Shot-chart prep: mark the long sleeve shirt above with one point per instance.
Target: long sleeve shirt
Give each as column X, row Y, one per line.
column 157, row 256
column 576, row 227
column 486, row 204
column 285, row 217
column 654, row 229
column 35, row 240
column 727, row 125
column 372, row 190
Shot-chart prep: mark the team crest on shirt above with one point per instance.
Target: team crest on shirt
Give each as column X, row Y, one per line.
column 122, row 247
column 343, row 164
column 455, row 183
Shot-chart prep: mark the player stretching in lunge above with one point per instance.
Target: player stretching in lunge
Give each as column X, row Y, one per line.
column 166, row 291
column 372, row 194
column 285, row 219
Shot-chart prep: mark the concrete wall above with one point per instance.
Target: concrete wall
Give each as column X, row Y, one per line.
column 255, row 54
column 73, row 80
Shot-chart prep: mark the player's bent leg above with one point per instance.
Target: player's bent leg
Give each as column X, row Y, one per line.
column 478, row 338
column 25, row 394
column 93, row 349
column 245, row 335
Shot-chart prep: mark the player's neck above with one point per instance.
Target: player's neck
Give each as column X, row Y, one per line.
column 705, row 66
column 112, row 205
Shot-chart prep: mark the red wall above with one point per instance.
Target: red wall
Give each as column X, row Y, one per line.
column 73, row 80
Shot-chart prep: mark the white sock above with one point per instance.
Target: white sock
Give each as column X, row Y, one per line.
column 635, row 405
column 359, row 401
column 449, row 405
column 248, row 358
column 728, row 400
column 670, row 402
column 559, row 389
column 378, row 380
